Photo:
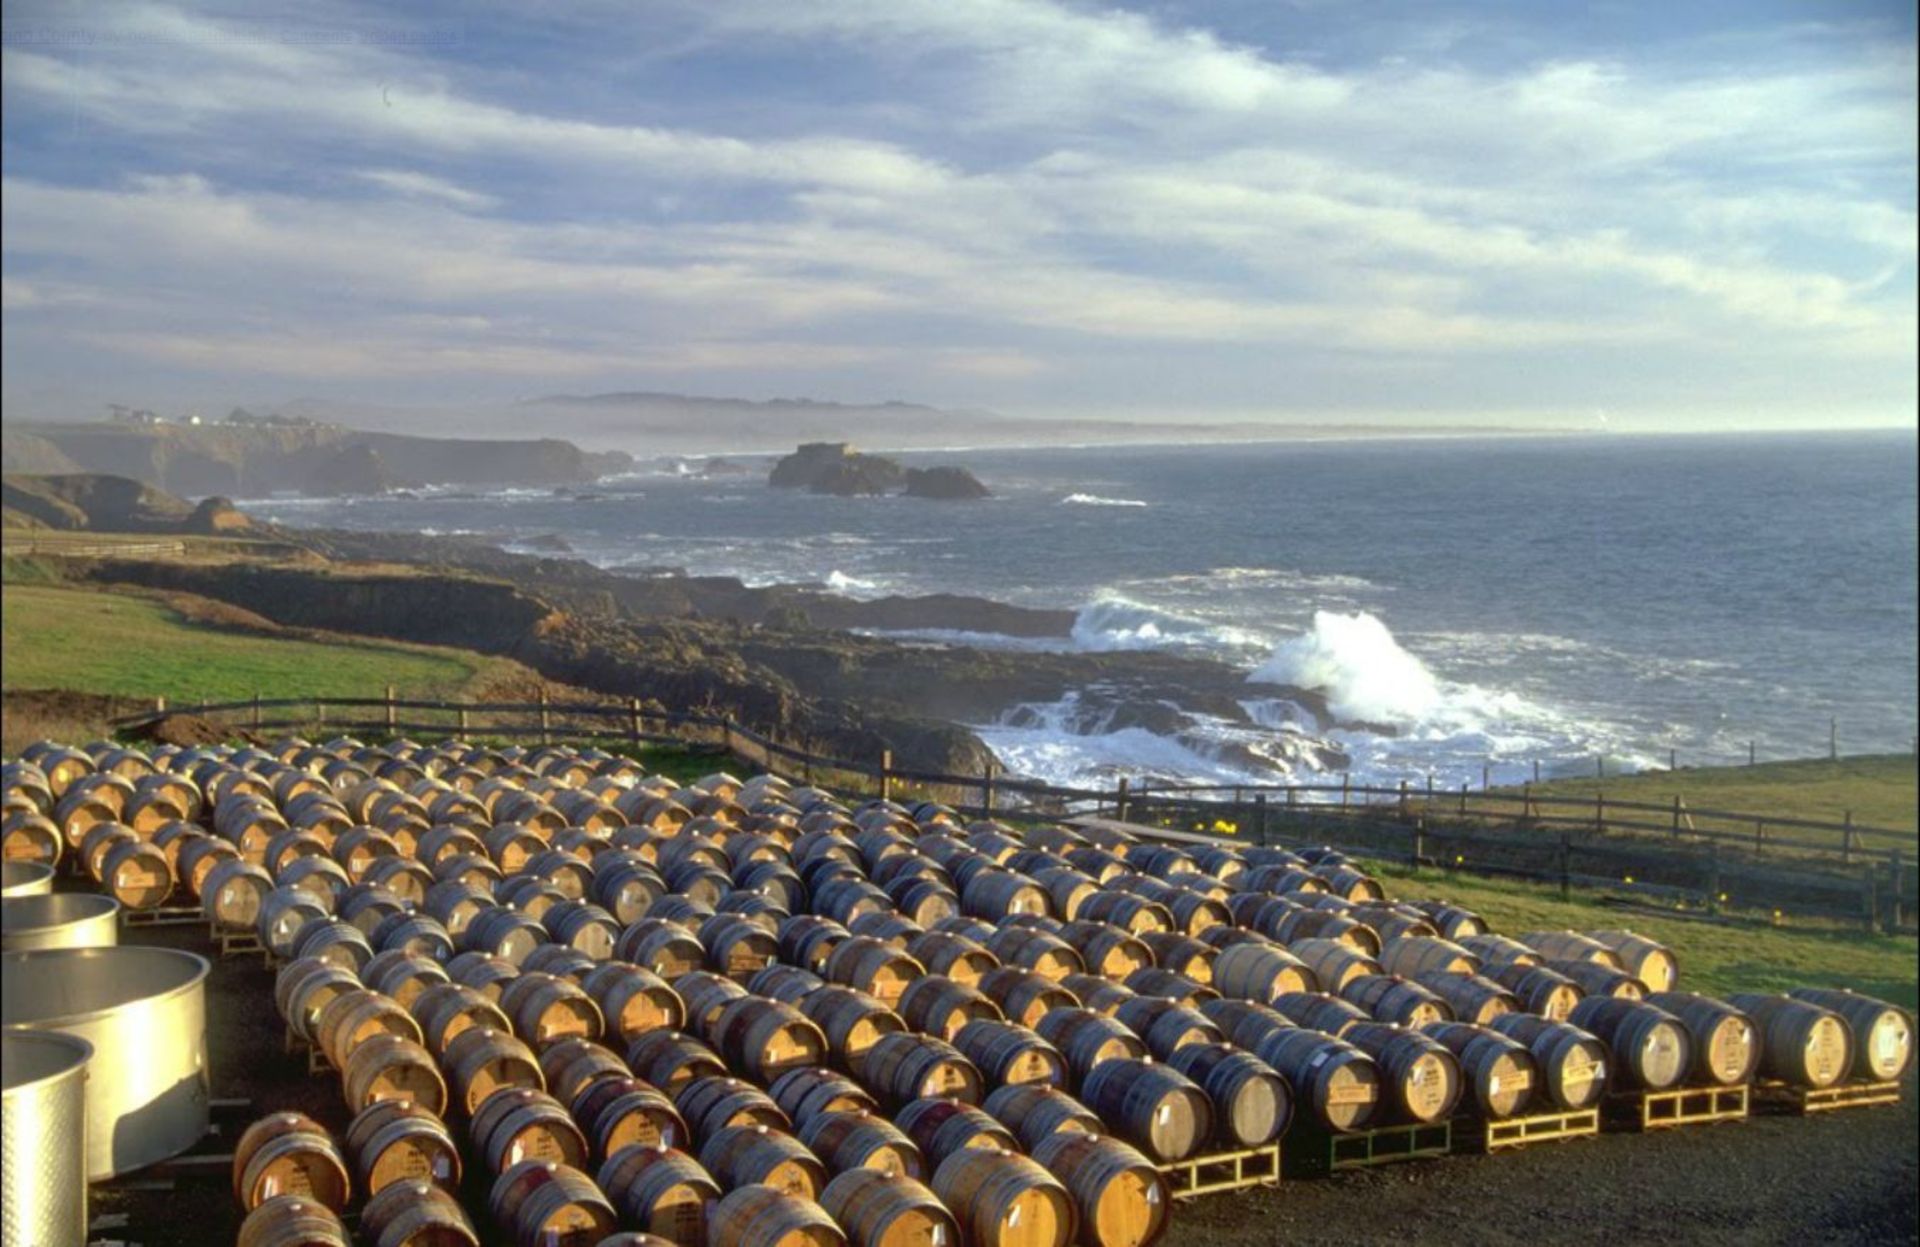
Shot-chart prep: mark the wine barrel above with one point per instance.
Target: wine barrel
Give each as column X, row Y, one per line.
column 1420, row 1077
column 852, row 1021
column 1009, row 1053
column 938, row 1006
column 1650, row 961
column 1411, row 956
column 1261, row 973
column 1801, row 1044
column 395, row 1141
column 671, row 1059
column 542, row 1203
column 352, row 1017
column 546, row 1007
column 941, row 1126
column 1154, row 981
column 1107, row 950
column 737, row 946
column 877, row 1209
column 1320, row 1011
column 1252, row 1103
column 1500, row 1073
column 765, row 1038
column 1726, row 1045
column 954, row 956
column 1003, row 1199
column 1595, row 979
column 662, row 947
column 1044, row 954
column 1154, row 1107
column 1333, row 964
column 633, row 1000
column 1454, row 922
column 1244, row 1023
column 390, row 1067
column 904, row 1066
column 292, row 1219
column 1182, row 954
column 1023, row 995
column 1165, row 1025
column 873, row 967
column 518, row 1123
column 1498, row 950
column 715, row 1102
column 1471, row 997
column 1032, row 1112
column 403, row 976
column 444, row 1010
column 625, row 1111
column 1121, row 1199
column 1334, row 1083
column 1539, row 989
column 289, row 1154
column 411, row 1212
column 1088, row 1039
column 1571, row 946
column 1651, row 1049
column 1092, row 992
column 760, row 1216
column 859, row 1139
column 662, row 1191
column 480, row 1060
column 739, row 1156
column 1573, row 1063
column 809, row 1091
column 1390, row 998
column 1882, row 1033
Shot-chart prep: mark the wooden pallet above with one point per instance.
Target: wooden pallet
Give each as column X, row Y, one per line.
column 1778, row 1097
column 233, row 943
column 165, row 916
column 1223, row 1171
column 1314, row 1154
column 293, row 1045
column 1487, row 1137
column 1683, row 1106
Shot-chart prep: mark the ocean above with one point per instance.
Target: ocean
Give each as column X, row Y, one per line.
column 1569, row 602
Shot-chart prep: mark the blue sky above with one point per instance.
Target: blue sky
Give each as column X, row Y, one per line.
column 1650, row 215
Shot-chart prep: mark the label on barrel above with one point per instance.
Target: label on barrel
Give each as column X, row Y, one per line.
column 679, row 1215
column 411, row 1160
column 534, row 1143
column 635, row 1127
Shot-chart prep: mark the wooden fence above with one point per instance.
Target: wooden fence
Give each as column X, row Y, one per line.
column 1704, row 857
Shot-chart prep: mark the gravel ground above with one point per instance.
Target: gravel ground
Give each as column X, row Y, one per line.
column 1845, row 1177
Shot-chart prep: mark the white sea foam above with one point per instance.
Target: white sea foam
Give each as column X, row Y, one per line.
column 1097, row 500
column 841, row 582
column 1112, row 622
column 1363, row 672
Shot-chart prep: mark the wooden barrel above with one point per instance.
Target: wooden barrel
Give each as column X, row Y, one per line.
column 137, row 875
column 740, row 1155
column 711, row 1104
column 1009, row 1053
column 1539, row 989
column 1390, row 998
column 1003, row 1199
column 1155, row 981
column 955, row 956
column 1088, row 1040
column 874, row 967
column 331, row 940
column 1571, row 946
column 1801, row 1044
column 1045, row 954
column 1333, row 964
column 1419, row 1078
column 1726, row 1045
column 1261, row 973
column 400, row 1141
column 705, row 994
column 546, row 1007
column 859, row 1139
column 807, row 940
column 665, row 948
column 633, row 1000
column 414, row 1212
column 1252, row 1104
column 938, row 1006
column 852, row 1022
column 232, row 893
column 1092, row 992
column 1411, row 956
column 672, row 1059
column 1124, row 909
column 1595, row 979
column 1033, row 1111
column 1121, row 1199
column 1499, row 950
column 662, row 1191
column 1500, row 1073
column 480, row 1060
column 784, row 982
column 1165, row 1025
column 765, row 1038
column 1573, row 1064
column 444, row 1010
column 1882, row 1033
column 624, row 884
column 390, row 1067
column 1334, row 1083
column 1454, row 922
column 994, row 894
column 583, row 926
column 1155, row 1107
column 1471, row 997
column 403, row 976
column 1650, row 961
column 1651, row 1049
column 518, row 1123
column 622, row 1112
column 292, row 1219
column 504, row 933
column 806, row 1092
column 1111, row 951
column 877, row 1209
column 352, row 1017
column 289, row 1154
column 737, row 946
column 1243, row 1022
column 904, row 1066
column 940, row 1127
column 1025, row 996
column 1067, row 888
column 543, row 1204
column 760, row 1216
column 1320, row 1011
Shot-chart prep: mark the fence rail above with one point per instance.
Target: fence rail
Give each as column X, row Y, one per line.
column 1712, row 857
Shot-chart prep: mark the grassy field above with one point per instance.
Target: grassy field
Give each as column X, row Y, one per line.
column 1714, row 958
column 96, row 642
column 1880, row 789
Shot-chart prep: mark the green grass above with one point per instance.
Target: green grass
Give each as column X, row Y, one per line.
column 1879, row 789
column 96, row 642
column 1714, row 958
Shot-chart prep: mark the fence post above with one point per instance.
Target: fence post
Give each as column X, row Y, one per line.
column 1599, row 766
column 986, row 790
column 1566, row 865
column 1526, row 801
column 1536, row 770
column 1417, row 846
column 256, row 712
column 1673, row 760
column 1833, row 739
column 886, row 774
column 545, row 723
column 1120, row 800
column 160, row 705
column 391, row 718
column 1260, row 818
column 463, row 721
column 1713, row 877
column 633, row 719
column 1897, row 895
column 1600, row 813
column 1869, row 898
column 319, row 712
column 1676, row 816
column 1486, row 776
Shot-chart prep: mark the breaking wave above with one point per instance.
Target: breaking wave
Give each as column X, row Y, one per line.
column 1112, row 622
column 1096, row 500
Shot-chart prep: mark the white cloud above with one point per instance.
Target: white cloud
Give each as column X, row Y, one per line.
column 411, row 182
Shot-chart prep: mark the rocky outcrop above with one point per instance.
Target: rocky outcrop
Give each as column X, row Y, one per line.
column 354, row 470
column 218, row 517
column 948, row 484
column 836, row 468
column 92, row 501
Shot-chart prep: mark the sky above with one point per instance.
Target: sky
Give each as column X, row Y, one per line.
column 1621, row 214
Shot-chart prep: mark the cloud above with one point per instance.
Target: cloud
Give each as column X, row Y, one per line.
column 411, row 182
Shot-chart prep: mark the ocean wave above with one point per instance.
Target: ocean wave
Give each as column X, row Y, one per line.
column 1096, row 500
column 1112, row 622
column 853, row 586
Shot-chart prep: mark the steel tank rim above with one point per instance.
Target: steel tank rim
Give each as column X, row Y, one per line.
column 50, row 912
column 25, row 879
column 74, row 1046
column 11, row 963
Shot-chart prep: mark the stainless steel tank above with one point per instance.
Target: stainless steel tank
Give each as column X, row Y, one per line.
column 144, row 1010
column 59, row 920
column 43, row 1139
column 25, row 879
